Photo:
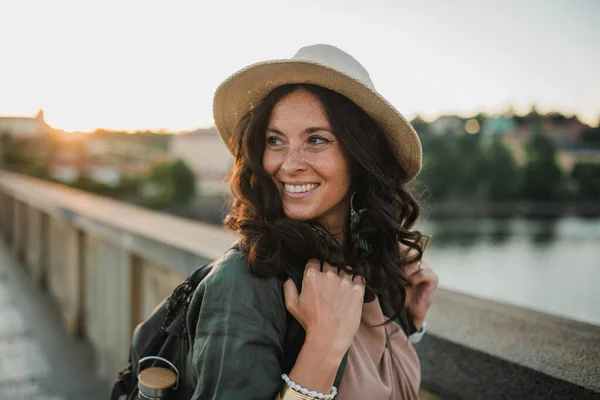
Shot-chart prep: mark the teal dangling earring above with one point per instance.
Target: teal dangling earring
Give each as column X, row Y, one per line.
column 354, row 221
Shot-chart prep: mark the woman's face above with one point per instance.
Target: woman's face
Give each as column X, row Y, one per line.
column 306, row 161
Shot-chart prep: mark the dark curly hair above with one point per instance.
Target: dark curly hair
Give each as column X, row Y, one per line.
column 275, row 243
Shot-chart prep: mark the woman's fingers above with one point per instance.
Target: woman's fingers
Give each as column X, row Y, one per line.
column 332, row 272
column 345, row 275
column 290, row 293
column 425, row 275
column 416, row 267
column 312, row 266
column 358, row 280
column 329, row 268
column 412, row 269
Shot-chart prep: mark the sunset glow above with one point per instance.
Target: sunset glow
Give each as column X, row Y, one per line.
column 151, row 65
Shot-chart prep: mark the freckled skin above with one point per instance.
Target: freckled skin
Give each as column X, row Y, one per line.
column 297, row 151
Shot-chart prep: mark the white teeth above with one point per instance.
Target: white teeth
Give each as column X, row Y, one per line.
column 300, row 188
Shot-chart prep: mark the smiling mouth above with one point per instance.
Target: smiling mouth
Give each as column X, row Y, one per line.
column 300, row 188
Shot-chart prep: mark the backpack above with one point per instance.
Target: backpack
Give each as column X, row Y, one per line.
column 164, row 334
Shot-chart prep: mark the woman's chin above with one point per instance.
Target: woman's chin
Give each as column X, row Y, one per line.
column 299, row 215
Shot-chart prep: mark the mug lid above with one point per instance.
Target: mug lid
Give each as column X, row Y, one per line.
column 157, row 378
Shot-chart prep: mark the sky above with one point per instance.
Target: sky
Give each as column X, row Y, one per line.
column 155, row 64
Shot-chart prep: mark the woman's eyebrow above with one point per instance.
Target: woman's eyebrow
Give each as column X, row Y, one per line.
column 277, row 131
column 307, row 131
column 317, row 129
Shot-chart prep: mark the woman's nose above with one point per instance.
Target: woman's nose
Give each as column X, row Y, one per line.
column 293, row 162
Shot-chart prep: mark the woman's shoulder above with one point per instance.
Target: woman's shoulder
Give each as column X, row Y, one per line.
column 231, row 291
column 232, row 275
column 234, row 268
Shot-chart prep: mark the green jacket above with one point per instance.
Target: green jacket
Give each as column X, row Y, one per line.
column 244, row 336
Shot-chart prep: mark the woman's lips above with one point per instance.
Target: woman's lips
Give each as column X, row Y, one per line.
column 299, row 190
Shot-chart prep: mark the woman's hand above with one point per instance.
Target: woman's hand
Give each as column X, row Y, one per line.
column 329, row 306
column 419, row 295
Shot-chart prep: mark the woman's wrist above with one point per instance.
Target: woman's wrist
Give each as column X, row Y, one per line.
column 317, row 365
column 292, row 391
column 322, row 344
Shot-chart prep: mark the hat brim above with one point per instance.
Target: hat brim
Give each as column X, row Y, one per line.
column 245, row 89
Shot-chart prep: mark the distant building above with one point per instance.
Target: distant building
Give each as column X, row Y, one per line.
column 448, row 125
column 567, row 158
column 64, row 171
column 566, row 131
column 24, row 127
column 499, row 126
column 115, row 146
column 110, row 173
column 103, row 173
column 73, row 160
column 65, row 163
column 206, row 154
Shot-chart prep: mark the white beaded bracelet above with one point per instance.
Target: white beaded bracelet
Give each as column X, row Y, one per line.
column 311, row 393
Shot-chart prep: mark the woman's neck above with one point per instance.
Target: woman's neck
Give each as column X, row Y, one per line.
column 335, row 234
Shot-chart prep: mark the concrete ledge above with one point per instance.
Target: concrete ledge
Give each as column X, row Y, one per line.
column 484, row 349
column 453, row 371
column 155, row 236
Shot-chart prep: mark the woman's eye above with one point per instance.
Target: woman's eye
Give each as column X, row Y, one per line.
column 273, row 140
column 317, row 140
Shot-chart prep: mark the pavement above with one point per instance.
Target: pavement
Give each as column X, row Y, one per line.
column 38, row 359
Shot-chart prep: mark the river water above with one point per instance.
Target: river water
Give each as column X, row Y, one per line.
column 551, row 266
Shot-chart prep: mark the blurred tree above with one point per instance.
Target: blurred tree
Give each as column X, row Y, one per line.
column 470, row 165
column 184, row 182
column 160, row 178
column 502, row 172
column 533, row 115
column 590, row 138
column 175, row 182
column 90, row 185
column 420, row 125
column 439, row 166
column 587, row 181
column 453, row 166
column 25, row 156
column 480, row 118
column 542, row 176
column 160, row 173
column 14, row 153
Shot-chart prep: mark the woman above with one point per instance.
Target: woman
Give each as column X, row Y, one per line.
column 319, row 295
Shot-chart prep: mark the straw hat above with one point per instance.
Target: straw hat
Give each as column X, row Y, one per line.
column 321, row 65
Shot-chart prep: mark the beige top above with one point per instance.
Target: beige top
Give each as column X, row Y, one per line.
column 380, row 366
